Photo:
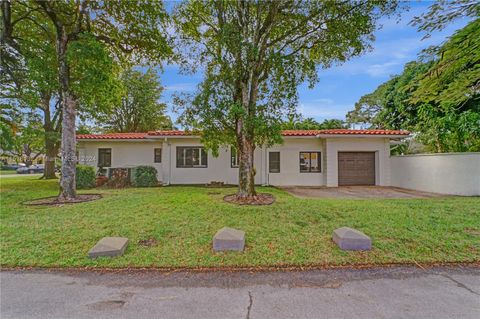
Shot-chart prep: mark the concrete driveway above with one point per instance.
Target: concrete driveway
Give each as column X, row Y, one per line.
column 357, row 192
column 394, row 292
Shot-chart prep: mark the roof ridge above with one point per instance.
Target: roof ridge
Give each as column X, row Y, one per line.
column 141, row 135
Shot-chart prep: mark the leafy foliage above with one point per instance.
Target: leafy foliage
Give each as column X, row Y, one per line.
column 145, row 176
column 438, row 98
column 139, row 109
column 85, row 176
column 255, row 54
column 299, row 123
column 28, row 143
column 8, row 126
column 443, row 12
column 88, row 37
column 119, row 178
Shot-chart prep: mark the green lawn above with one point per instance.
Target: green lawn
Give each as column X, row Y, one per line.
column 7, row 172
column 183, row 219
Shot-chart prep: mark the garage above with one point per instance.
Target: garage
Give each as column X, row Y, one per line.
column 356, row 168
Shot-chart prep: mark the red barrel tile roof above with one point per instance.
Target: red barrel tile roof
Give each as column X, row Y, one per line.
column 112, row 136
column 342, row 132
column 126, row 136
column 169, row 133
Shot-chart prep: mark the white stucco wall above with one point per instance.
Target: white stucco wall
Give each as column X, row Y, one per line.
column 219, row 168
column 290, row 163
column 380, row 145
column 450, row 173
column 131, row 153
column 124, row 153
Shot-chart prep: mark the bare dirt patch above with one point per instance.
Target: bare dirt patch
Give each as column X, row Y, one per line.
column 149, row 242
column 53, row 200
column 259, row 199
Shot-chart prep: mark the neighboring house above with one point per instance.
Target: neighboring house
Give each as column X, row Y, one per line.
column 306, row 157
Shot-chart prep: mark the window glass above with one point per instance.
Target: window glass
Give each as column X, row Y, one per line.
column 304, row 161
column 157, row 155
column 310, row 161
column 315, row 162
column 191, row 157
column 274, row 162
column 104, row 157
column 234, row 161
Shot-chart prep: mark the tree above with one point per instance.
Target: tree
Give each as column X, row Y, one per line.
column 255, row 54
column 443, row 12
column 82, row 29
column 139, row 109
column 448, row 93
column 437, row 97
column 29, row 83
column 8, row 126
column 299, row 123
column 388, row 106
column 28, row 143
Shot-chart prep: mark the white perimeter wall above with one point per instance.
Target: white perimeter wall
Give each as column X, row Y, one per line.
column 450, row 173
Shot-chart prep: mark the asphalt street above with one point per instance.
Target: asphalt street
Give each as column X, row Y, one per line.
column 395, row 292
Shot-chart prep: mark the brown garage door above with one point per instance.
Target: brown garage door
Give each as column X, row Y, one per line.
column 356, row 168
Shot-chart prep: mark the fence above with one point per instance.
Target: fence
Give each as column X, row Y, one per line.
column 447, row 173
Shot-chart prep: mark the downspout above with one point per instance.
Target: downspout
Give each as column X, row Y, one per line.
column 323, row 160
column 267, row 176
column 169, row 161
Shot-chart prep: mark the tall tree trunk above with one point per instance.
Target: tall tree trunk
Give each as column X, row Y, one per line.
column 246, row 148
column 51, row 152
column 246, row 170
column 51, row 148
column 69, row 103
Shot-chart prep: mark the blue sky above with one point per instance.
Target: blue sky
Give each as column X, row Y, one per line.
column 341, row 86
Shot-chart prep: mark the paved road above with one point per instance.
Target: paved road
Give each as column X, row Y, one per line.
column 379, row 293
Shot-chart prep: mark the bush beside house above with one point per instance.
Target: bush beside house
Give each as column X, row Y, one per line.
column 85, row 176
column 144, row 176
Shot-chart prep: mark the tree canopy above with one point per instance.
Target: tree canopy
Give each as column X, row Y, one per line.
column 294, row 122
column 89, row 38
column 437, row 97
column 254, row 54
column 139, row 109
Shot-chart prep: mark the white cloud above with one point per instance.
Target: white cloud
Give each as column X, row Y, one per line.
column 182, row 87
column 383, row 69
column 324, row 108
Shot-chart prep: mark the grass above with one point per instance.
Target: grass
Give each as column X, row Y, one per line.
column 7, row 172
column 183, row 219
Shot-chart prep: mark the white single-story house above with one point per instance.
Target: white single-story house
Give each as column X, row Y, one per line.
column 306, row 157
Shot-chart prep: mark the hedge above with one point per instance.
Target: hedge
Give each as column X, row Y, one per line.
column 85, row 176
column 144, row 176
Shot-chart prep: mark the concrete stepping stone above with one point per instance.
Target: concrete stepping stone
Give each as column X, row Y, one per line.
column 351, row 239
column 229, row 239
column 109, row 247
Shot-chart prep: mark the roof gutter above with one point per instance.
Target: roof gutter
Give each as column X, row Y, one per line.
column 361, row 135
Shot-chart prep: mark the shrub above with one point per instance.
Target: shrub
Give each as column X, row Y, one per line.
column 119, row 178
column 145, row 176
column 85, row 177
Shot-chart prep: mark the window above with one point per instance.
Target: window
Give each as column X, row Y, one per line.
column 310, row 162
column 274, row 162
column 104, row 157
column 191, row 157
column 234, row 160
column 157, row 155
